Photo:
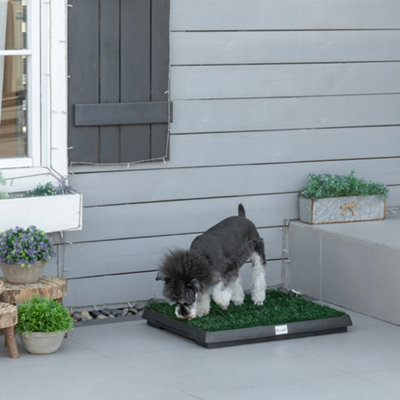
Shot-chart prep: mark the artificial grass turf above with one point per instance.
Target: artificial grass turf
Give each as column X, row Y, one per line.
column 278, row 308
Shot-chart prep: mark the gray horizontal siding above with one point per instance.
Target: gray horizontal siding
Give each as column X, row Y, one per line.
column 225, row 181
column 130, row 287
column 204, row 15
column 283, row 146
column 264, row 92
column 140, row 254
column 285, row 113
column 173, row 217
column 213, row 48
column 256, row 81
column 265, row 147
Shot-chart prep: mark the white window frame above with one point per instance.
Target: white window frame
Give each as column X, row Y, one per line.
column 47, row 158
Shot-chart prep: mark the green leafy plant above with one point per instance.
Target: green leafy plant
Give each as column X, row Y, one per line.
column 49, row 189
column 326, row 185
column 278, row 308
column 43, row 315
column 42, row 190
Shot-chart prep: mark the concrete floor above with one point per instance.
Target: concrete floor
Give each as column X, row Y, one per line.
column 130, row 360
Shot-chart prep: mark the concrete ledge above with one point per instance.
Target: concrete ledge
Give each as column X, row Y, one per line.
column 354, row 265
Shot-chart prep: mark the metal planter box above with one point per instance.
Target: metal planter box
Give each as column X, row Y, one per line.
column 49, row 213
column 341, row 209
column 248, row 335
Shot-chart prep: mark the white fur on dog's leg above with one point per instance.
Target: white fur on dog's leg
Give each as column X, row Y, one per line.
column 237, row 292
column 258, row 285
column 222, row 295
column 203, row 304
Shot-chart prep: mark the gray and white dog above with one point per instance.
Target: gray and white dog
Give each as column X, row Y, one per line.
column 213, row 262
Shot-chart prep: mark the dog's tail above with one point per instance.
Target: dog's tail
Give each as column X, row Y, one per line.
column 241, row 210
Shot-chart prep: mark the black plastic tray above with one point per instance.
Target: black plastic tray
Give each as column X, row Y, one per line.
column 254, row 334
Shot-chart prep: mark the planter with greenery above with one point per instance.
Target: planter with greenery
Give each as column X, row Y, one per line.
column 42, row 324
column 24, row 253
column 336, row 198
column 41, row 207
column 282, row 316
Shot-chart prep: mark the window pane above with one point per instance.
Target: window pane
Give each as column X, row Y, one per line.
column 13, row 130
column 12, row 24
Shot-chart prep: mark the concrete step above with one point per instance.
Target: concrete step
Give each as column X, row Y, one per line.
column 354, row 265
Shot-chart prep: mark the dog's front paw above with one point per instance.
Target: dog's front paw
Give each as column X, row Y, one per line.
column 202, row 314
column 222, row 301
column 258, row 299
column 238, row 293
column 222, row 295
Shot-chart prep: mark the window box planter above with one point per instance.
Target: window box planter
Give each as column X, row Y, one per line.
column 342, row 209
column 337, row 198
column 339, row 322
column 50, row 213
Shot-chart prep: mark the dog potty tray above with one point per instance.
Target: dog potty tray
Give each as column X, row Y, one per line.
column 282, row 316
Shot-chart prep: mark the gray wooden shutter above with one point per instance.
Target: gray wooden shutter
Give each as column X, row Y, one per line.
column 118, row 57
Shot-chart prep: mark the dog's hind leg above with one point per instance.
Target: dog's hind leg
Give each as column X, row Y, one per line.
column 237, row 292
column 258, row 284
column 203, row 304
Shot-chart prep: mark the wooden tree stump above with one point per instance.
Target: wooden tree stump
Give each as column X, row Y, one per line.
column 8, row 319
column 47, row 286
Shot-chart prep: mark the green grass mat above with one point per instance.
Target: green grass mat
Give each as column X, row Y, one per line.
column 278, row 308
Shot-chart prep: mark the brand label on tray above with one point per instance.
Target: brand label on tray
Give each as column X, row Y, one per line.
column 281, row 330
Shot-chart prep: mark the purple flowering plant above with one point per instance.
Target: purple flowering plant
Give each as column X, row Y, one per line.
column 25, row 246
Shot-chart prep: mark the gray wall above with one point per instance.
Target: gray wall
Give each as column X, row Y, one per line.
column 264, row 92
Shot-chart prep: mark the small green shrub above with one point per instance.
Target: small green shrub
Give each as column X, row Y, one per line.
column 42, row 190
column 43, row 315
column 49, row 189
column 326, row 185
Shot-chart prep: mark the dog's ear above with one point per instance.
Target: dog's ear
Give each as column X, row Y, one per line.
column 195, row 284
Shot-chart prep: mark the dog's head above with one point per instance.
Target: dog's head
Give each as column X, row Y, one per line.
column 182, row 274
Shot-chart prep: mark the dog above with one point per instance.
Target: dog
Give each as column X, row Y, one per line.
column 213, row 262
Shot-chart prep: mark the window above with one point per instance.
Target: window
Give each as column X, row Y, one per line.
column 19, row 83
column 33, row 91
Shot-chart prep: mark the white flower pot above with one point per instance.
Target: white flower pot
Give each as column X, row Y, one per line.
column 341, row 209
column 14, row 273
column 42, row 342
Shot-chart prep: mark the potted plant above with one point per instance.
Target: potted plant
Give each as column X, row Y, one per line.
column 42, row 324
column 336, row 198
column 24, row 253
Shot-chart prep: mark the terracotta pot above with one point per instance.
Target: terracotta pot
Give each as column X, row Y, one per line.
column 42, row 342
column 14, row 273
